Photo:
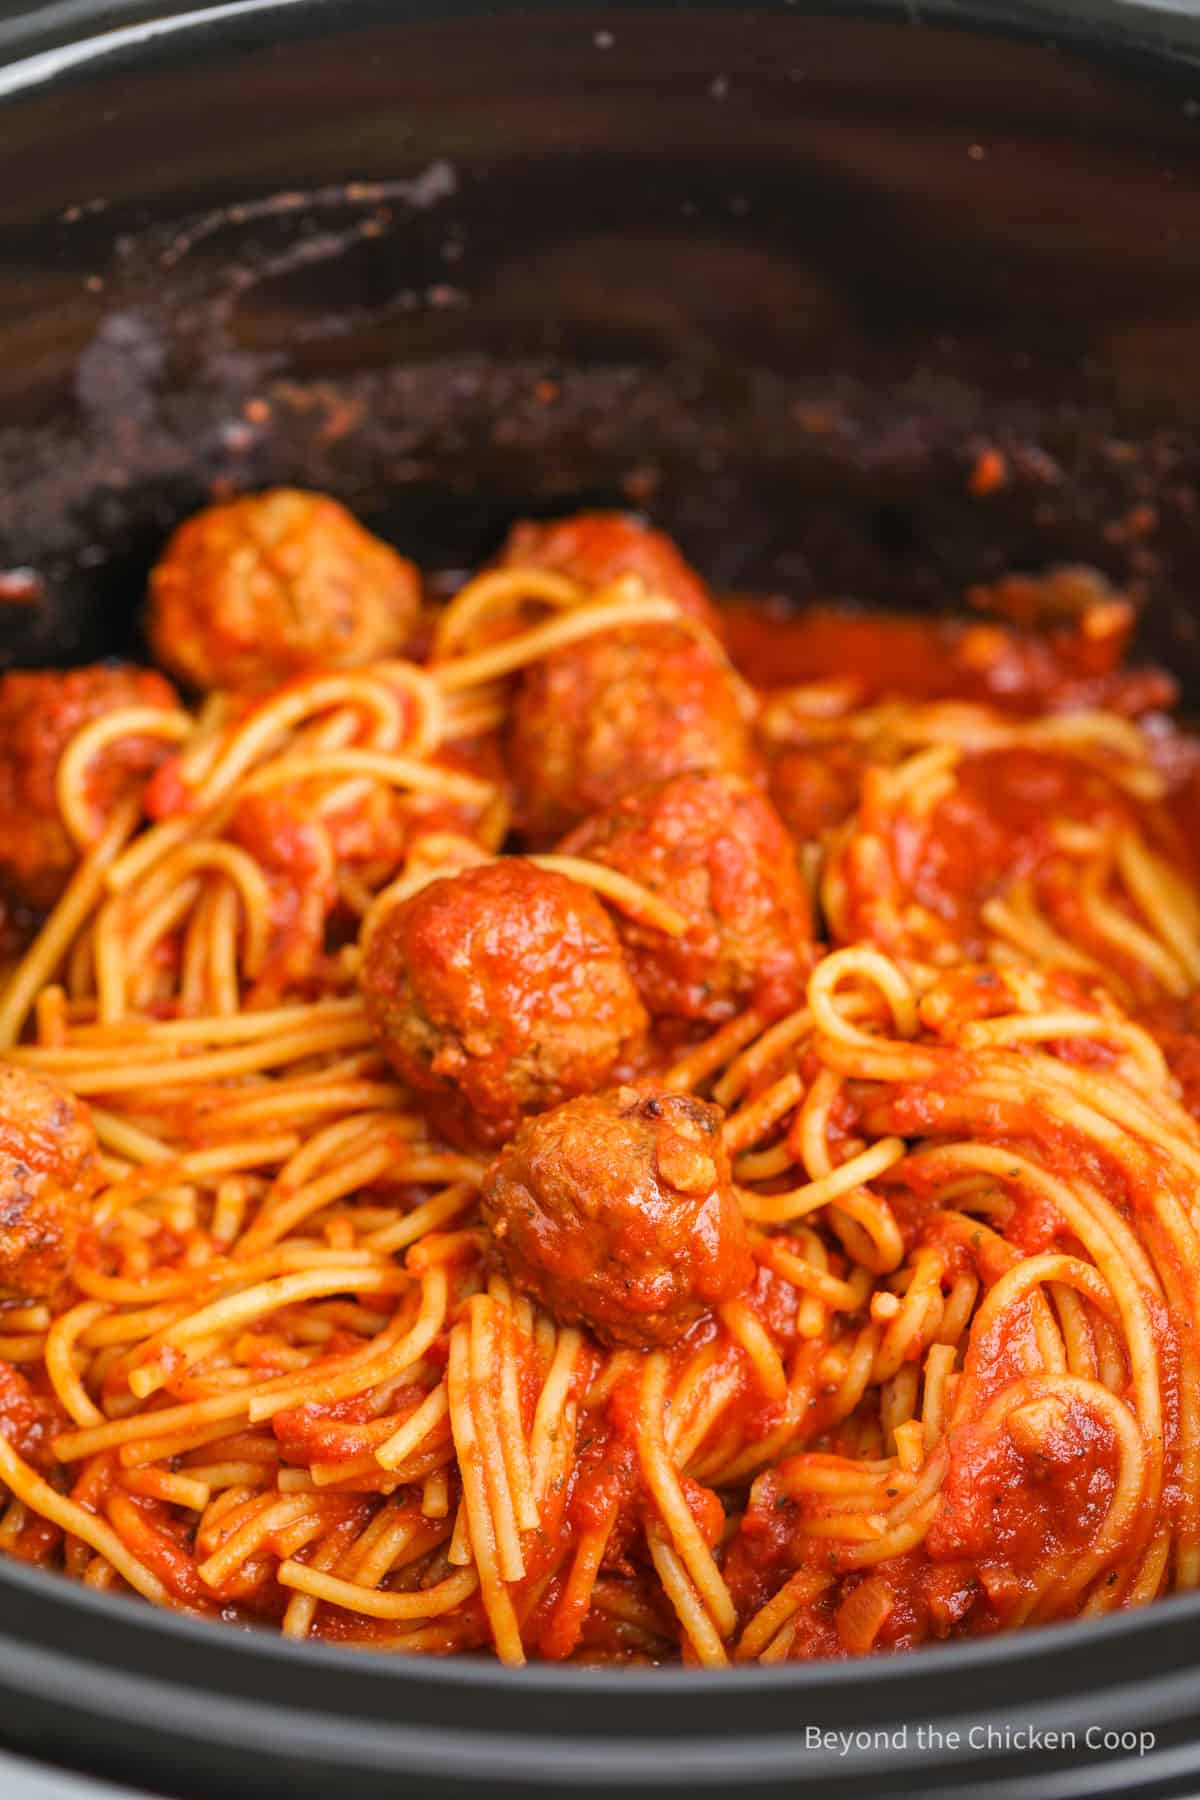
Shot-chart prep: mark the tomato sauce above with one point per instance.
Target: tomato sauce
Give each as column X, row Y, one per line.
column 880, row 654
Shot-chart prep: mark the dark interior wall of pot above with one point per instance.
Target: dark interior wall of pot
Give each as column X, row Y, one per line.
column 778, row 279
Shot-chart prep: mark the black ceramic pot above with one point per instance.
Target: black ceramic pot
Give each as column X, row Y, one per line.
column 776, row 273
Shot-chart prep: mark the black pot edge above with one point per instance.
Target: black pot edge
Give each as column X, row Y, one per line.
column 133, row 1624
column 41, row 45
column 499, row 1739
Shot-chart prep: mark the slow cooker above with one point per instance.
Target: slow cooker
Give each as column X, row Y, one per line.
column 777, row 274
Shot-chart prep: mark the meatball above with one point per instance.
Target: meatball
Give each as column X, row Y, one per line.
column 499, row 992
column 595, row 548
column 49, row 1172
column 273, row 585
column 817, row 789
column 715, row 848
column 615, row 712
column 40, row 712
column 616, row 1211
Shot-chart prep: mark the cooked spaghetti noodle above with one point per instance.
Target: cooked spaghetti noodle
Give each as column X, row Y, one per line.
column 944, row 1377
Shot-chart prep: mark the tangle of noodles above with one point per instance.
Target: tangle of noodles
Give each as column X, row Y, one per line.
column 286, row 1382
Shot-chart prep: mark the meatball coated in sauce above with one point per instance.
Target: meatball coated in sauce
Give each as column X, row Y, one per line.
column 40, row 712
column 273, row 585
column 815, row 790
column 49, row 1172
column 500, row 992
column 596, row 548
column 714, row 847
column 616, row 1212
column 596, row 719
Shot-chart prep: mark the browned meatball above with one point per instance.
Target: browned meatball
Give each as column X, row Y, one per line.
column 40, row 712
column 714, row 847
column 595, row 548
column 273, row 585
column 616, row 1211
column 49, row 1172
column 499, row 992
column 617, row 711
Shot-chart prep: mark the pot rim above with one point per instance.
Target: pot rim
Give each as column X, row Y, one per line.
column 42, row 44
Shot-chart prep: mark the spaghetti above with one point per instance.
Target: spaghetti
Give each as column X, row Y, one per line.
column 290, row 1372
